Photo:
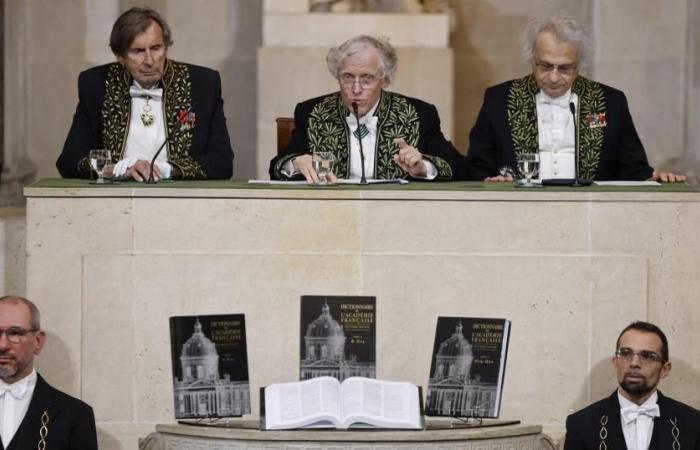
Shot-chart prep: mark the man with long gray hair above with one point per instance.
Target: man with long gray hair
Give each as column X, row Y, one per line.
column 399, row 136
column 32, row 413
column 159, row 118
column 578, row 128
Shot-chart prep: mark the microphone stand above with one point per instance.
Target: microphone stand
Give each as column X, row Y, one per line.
column 150, row 179
column 363, row 180
column 572, row 107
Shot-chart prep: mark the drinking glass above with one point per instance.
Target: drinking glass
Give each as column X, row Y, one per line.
column 528, row 167
column 323, row 165
column 99, row 158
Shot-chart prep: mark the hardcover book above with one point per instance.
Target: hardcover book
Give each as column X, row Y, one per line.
column 210, row 366
column 337, row 337
column 468, row 367
column 357, row 402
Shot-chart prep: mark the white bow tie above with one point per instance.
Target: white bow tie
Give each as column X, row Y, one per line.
column 561, row 101
column 16, row 390
column 155, row 94
column 368, row 121
column 630, row 413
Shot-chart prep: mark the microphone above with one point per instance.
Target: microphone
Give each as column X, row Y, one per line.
column 363, row 180
column 150, row 179
column 577, row 182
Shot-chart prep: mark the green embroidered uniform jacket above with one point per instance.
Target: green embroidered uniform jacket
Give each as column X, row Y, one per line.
column 198, row 141
column 609, row 146
column 678, row 426
column 320, row 125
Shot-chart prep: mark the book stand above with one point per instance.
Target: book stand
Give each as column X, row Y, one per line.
column 210, row 421
column 466, row 422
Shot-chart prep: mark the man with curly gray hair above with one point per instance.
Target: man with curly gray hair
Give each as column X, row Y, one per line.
column 399, row 136
column 578, row 128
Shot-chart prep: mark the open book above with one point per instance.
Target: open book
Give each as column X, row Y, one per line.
column 324, row 402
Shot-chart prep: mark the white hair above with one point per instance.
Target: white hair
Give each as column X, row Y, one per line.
column 387, row 55
column 565, row 30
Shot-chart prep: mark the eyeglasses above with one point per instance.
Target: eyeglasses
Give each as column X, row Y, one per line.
column 564, row 69
column 365, row 81
column 15, row 334
column 645, row 356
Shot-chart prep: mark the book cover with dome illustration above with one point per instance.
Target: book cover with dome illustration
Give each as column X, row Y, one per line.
column 468, row 367
column 337, row 337
column 210, row 366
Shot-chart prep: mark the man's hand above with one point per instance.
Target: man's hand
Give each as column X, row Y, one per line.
column 410, row 159
column 304, row 165
column 141, row 170
column 667, row 177
column 499, row 179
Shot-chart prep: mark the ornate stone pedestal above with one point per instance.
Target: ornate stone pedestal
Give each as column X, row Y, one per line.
column 180, row 437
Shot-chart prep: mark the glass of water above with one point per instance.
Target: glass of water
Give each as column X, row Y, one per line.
column 323, row 165
column 99, row 159
column 528, row 167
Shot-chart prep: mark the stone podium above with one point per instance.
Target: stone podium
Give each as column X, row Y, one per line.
column 569, row 267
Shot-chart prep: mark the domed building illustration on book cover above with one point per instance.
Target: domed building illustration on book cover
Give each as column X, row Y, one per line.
column 468, row 367
column 337, row 337
column 210, row 366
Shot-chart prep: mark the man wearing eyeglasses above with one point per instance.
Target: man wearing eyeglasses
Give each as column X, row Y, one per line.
column 32, row 413
column 399, row 136
column 542, row 113
column 143, row 103
column 636, row 416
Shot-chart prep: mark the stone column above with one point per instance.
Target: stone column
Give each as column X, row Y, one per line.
column 18, row 169
column 692, row 94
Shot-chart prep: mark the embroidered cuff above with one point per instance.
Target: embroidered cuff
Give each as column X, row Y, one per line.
column 431, row 171
column 288, row 169
column 165, row 169
column 122, row 166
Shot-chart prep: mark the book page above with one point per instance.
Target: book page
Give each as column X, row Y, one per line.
column 381, row 403
column 293, row 405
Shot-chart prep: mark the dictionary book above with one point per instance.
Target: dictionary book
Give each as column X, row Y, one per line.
column 337, row 337
column 468, row 367
column 210, row 366
column 357, row 402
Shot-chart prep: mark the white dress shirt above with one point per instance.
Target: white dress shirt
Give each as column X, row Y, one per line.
column 557, row 141
column 14, row 403
column 143, row 141
column 638, row 421
column 369, row 144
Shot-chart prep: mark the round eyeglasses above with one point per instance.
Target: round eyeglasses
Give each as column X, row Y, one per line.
column 366, row 81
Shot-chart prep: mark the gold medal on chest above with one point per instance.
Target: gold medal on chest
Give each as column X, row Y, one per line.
column 147, row 117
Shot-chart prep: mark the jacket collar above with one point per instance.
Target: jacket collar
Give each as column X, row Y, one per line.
column 27, row 435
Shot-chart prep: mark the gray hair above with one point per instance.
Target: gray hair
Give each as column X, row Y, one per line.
column 132, row 23
column 34, row 316
column 565, row 30
column 387, row 55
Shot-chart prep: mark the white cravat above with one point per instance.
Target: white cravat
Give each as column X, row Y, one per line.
column 14, row 403
column 638, row 421
column 142, row 141
column 368, row 144
column 557, row 141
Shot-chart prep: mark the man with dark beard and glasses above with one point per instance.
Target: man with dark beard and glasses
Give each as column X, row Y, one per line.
column 636, row 416
column 32, row 413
